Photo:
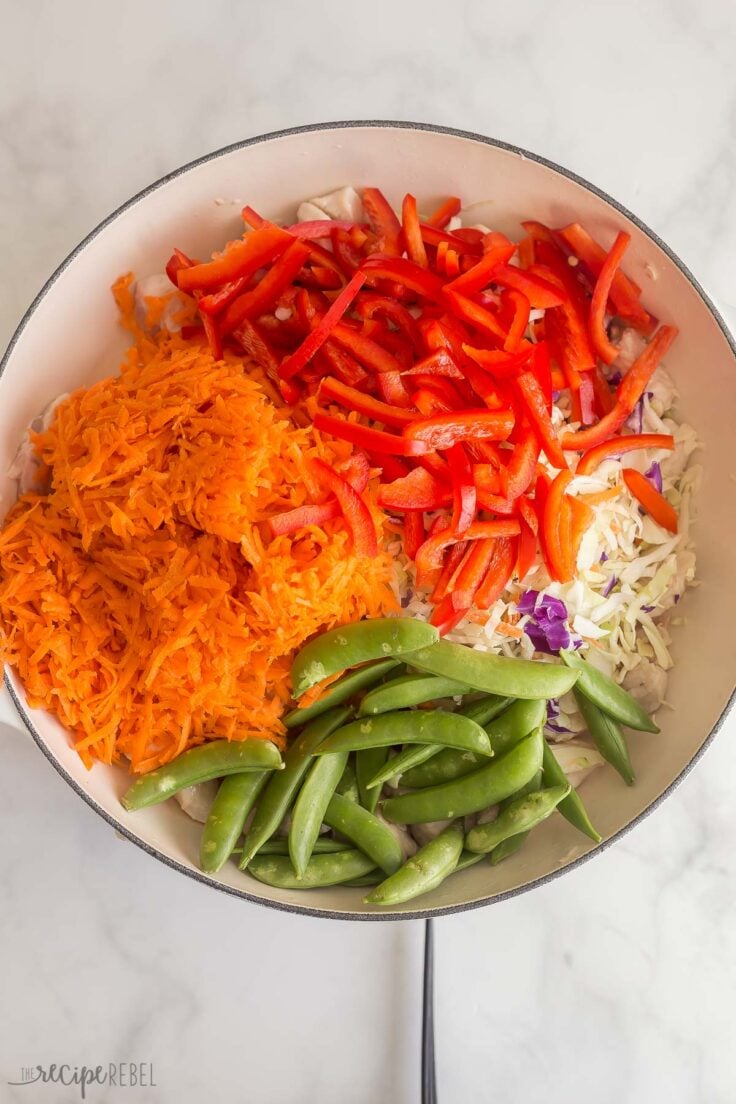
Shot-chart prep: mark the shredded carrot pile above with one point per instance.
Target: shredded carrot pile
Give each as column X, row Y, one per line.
column 141, row 599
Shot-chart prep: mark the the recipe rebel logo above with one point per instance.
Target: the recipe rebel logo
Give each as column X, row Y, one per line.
column 115, row 1075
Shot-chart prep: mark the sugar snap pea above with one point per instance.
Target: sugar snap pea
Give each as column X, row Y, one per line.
column 423, row 872
column 309, row 808
column 341, row 690
column 348, row 784
column 321, row 870
column 517, row 721
column 467, row 858
column 235, row 798
column 369, row 834
column 513, row 678
column 367, row 763
column 611, row 698
column 571, row 807
column 408, row 690
column 449, row 763
column 281, row 788
column 404, row 761
column 372, row 879
column 520, row 815
column 360, row 642
column 408, row 727
column 323, row 845
column 508, row 847
column 486, row 709
column 215, row 759
column 607, row 737
column 473, row 792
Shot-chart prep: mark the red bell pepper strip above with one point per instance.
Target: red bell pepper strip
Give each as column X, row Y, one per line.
column 412, row 231
column 435, row 465
column 243, row 258
column 568, row 323
column 331, row 390
column 419, row 490
column 629, row 392
column 617, row 446
column 603, row 395
column 252, row 341
column 541, row 369
column 542, row 485
column 482, row 273
column 216, row 301
column 471, row 573
column 445, row 430
column 429, row 402
column 413, row 534
column 429, row 557
column 464, row 497
column 520, row 308
column 624, row 292
column 214, row 337
column 499, row 362
column 452, row 563
column 540, row 292
column 447, row 240
column 527, row 545
column 440, row 363
column 390, row 467
column 354, row 510
column 535, row 404
column 325, row 258
column 364, row 349
column 404, row 272
column 442, row 388
column 586, row 394
column 556, row 542
column 655, row 504
column 373, row 440
column 319, row 228
column 289, row 522
column 475, row 315
column 526, row 252
column 267, row 290
column 383, row 222
column 348, row 255
column 342, row 365
column 392, row 389
column 292, row 365
column 521, row 468
column 445, row 617
column 605, row 349
column 367, row 305
column 452, row 263
column 498, row 573
column 176, row 262
column 252, row 218
column 445, row 212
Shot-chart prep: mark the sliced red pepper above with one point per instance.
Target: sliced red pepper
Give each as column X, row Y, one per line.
column 541, row 494
column 527, row 545
column 252, row 341
column 292, row 365
column 445, row 617
column 653, row 502
column 629, row 392
column 526, row 252
column 216, row 301
column 481, row 274
column 541, row 369
column 404, row 272
column 364, row 349
column 452, row 563
column 391, row 468
column 429, row 557
column 582, row 517
column 604, row 397
column 373, row 440
column 252, row 218
column 292, row 520
column 472, row 573
column 325, row 258
column 520, row 308
column 555, row 541
column 617, row 446
column 452, row 263
column 176, row 262
column 498, row 573
column 412, row 231
column 624, row 292
column 348, row 255
column 429, row 402
column 540, row 292
column 535, row 404
column 331, row 390
column 243, row 258
column 367, row 305
column 319, row 228
column 413, row 535
column 267, row 290
column 445, row 430
column 522, row 466
column 450, row 240
column 566, row 325
column 214, row 337
column 445, row 212
column 464, row 497
column 392, row 389
column 567, row 555
column 475, row 315
column 342, row 365
column 383, row 222
column 442, row 388
column 419, row 490
column 354, row 510
column 441, row 363
column 605, row 349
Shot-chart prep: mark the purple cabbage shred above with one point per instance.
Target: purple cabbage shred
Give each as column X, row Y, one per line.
column 604, row 557
column 553, row 709
column 654, row 475
column 647, row 609
column 609, row 586
column 557, row 728
column 546, row 626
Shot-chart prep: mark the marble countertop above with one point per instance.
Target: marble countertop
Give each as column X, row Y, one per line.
column 616, row 983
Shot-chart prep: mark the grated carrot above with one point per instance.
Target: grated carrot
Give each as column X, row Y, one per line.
column 509, row 630
column 139, row 600
column 601, row 496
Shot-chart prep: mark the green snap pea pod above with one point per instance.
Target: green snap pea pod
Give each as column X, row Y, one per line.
column 607, row 737
column 571, row 807
column 279, row 793
column 467, row 858
column 423, row 872
column 367, row 763
column 340, row 691
column 348, row 784
column 508, row 847
column 372, row 879
column 473, row 792
column 360, row 642
column 486, row 709
column 611, row 698
column 404, row 761
column 513, row 678
column 323, row 845
column 235, row 798
column 520, row 815
column 215, row 759
column 370, row 835
column 321, row 870
column 410, row 727
column 310, row 806
column 517, row 721
column 408, row 690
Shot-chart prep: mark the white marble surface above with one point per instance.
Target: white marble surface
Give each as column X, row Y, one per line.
column 616, row 983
